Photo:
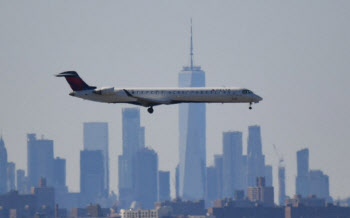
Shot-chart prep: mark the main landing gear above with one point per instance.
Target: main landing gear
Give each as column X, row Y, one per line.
column 250, row 105
column 150, row 110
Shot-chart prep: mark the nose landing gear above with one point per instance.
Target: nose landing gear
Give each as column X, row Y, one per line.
column 150, row 110
column 250, row 105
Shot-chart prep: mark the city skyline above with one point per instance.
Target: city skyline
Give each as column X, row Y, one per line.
column 294, row 54
column 314, row 177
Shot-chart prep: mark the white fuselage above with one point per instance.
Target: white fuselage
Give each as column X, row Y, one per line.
column 149, row 97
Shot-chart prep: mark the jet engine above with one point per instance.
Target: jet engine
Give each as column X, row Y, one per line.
column 104, row 91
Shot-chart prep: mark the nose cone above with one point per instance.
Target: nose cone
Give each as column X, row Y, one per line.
column 258, row 98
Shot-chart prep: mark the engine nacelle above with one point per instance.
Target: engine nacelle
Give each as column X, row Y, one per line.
column 104, row 91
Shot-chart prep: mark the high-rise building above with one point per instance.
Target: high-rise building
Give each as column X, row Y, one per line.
column 212, row 185
column 91, row 175
column 255, row 157
column 218, row 164
column 146, row 177
column 96, row 138
column 163, row 186
column 11, row 169
column 268, row 175
column 192, row 142
column 133, row 140
column 245, row 173
column 281, row 185
column 177, row 182
column 22, row 182
column 232, row 163
column 3, row 167
column 302, row 179
column 60, row 173
column 40, row 160
column 310, row 182
column 319, row 185
column 59, row 177
column 303, row 162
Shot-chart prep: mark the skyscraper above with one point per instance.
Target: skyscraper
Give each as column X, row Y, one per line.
column 319, row 185
column 40, row 160
column 255, row 158
column 133, row 140
column 245, row 173
column 146, row 177
column 96, row 138
column 91, row 175
column 60, row 173
column 268, row 175
column 281, row 185
column 3, row 167
column 302, row 180
column 310, row 182
column 11, row 171
column 218, row 164
column 303, row 162
column 232, row 163
column 22, row 182
column 212, row 185
column 192, row 127
column 177, row 182
column 163, row 186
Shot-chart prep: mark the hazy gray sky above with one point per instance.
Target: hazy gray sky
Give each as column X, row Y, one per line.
column 294, row 54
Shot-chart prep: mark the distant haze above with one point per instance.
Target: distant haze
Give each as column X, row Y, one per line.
column 294, row 54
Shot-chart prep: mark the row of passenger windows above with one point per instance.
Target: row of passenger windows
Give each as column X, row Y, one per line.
column 245, row 91
column 183, row 92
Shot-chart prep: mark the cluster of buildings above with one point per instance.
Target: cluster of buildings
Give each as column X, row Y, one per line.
column 140, row 181
column 233, row 171
column 310, row 182
column 243, row 182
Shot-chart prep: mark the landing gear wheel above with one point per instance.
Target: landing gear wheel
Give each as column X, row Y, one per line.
column 250, row 105
column 150, row 110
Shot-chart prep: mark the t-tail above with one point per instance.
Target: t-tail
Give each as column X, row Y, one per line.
column 74, row 81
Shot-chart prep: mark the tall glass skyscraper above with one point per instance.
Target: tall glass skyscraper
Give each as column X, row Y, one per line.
column 192, row 144
column 96, row 138
column 3, row 167
column 302, row 180
column 255, row 157
column 91, row 175
column 232, row 163
column 146, row 177
column 281, row 185
column 40, row 160
column 133, row 140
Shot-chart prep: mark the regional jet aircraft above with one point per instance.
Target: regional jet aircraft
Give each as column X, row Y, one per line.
column 149, row 97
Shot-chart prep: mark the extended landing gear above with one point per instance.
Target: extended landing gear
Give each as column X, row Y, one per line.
column 250, row 105
column 150, row 110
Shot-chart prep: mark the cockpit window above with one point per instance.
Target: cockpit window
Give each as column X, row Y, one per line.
column 246, row 91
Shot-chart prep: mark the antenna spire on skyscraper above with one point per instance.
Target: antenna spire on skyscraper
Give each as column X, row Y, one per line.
column 191, row 51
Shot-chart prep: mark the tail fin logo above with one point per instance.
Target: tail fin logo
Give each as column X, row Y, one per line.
column 74, row 81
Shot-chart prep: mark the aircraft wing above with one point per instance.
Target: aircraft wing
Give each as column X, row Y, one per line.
column 147, row 102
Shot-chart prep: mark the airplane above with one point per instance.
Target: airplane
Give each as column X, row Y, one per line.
column 150, row 97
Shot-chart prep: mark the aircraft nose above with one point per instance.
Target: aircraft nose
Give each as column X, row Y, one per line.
column 259, row 98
